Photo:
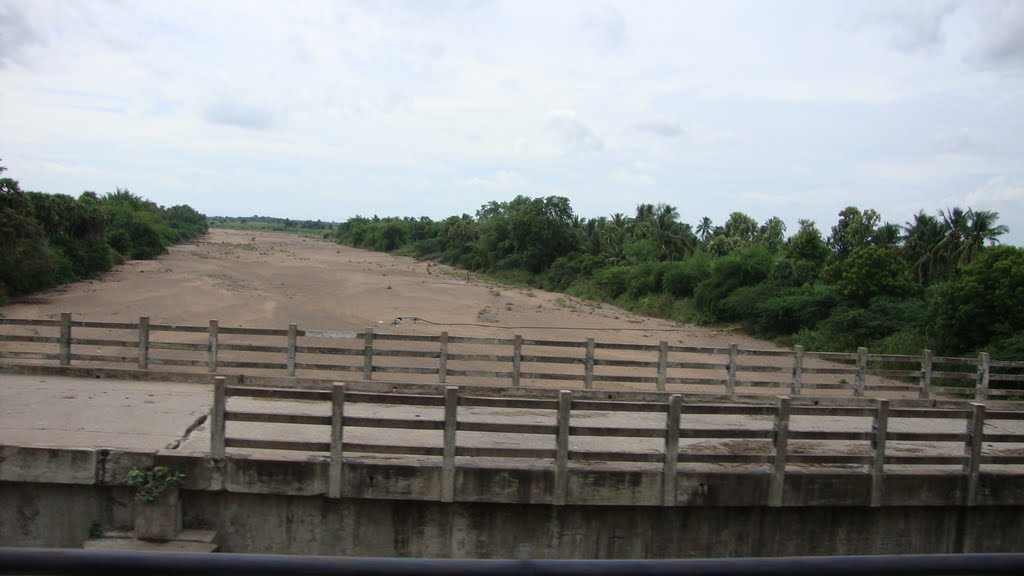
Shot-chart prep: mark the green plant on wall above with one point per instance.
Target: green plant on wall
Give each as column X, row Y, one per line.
column 151, row 482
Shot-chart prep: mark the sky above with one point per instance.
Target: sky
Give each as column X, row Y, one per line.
column 326, row 110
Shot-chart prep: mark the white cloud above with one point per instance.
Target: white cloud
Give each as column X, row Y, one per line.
column 500, row 179
column 572, row 135
column 324, row 109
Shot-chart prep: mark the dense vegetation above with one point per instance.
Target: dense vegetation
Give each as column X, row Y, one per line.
column 936, row 282
column 51, row 239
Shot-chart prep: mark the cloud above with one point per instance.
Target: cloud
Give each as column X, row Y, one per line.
column 1001, row 36
column 632, row 177
column 663, row 128
column 605, row 24
column 240, row 115
column 997, row 191
column 910, row 26
column 15, row 33
column 962, row 142
column 573, row 136
column 500, row 179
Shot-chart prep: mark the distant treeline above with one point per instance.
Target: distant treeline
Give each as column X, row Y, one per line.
column 936, row 282
column 316, row 228
column 51, row 239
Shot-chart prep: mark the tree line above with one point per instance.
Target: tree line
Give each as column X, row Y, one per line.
column 312, row 228
column 52, row 239
column 939, row 281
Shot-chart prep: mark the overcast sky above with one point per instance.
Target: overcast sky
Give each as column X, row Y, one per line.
column 330, row 109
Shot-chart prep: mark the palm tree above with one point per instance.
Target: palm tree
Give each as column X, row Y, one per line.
column 920, row 238
column 982, row 226
column 620, row 220
column 954, row 225
column 965, row 233
column 668, row 233
column 705, row 229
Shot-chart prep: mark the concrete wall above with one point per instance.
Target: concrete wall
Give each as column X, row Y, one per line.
column 51, row 497
column 38, row 514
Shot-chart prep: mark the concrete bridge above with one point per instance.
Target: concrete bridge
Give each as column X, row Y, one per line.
column 386, row 469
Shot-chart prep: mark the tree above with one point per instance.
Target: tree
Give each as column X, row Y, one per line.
column 807, row 252
column 920, row 237
column 704, row 229
column 871, row 272
column 854, row 230
column 741, row 227
column 772, row 233
column 981, row 228
column 985, row 304
column 673, row 238
column 26, row 261
column 964, row 235
column 541, row 230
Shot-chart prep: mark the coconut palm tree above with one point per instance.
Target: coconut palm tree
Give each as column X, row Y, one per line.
column 705, row 229
column 920, row 237
column 981, row 227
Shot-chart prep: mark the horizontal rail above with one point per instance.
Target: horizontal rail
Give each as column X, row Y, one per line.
column 21, row 338
column 268, row 418
column 28, row 322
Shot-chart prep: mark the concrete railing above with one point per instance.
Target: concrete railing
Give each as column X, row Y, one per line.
column 862, row 449
column 521, row 361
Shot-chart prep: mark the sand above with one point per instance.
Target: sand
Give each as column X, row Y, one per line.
column 271, row 279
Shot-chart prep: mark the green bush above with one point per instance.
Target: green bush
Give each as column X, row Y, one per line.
column 613, row 281
column 850, row 327
column 568, row 269
column 794, row 309
column 742, row 303
column 682, row 278
column 985, row 304
column 872, row 272
column 644, row 279
column 743, row 267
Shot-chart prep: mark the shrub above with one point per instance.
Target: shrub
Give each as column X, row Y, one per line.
column 613, row 281
column 568, row 269
column 985, row 304
column 682, row 278
column 744, row 267
column 872, row 272
column 794, row 309
column 850, row 327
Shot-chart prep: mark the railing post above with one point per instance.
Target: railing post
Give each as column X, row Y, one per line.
column 781, row 441
column 798, row 369
column 451, row 404
column 143, row 342
column 562, row 448
column 662, row 365
column 293, row 336
column 730, row 384
column 217, row 423
column 65, row 338
column 862, row 368
column 368, row 354
column 981, row 391
column 881, row 431
column 517, row 359
column 214, row 338
column 972, row 450
column 442, row 363
column 926, row 373
column 668, row 483
column 588, row 365
column 336, row 472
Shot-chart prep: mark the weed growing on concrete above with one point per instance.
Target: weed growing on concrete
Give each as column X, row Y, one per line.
column 151, row 482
